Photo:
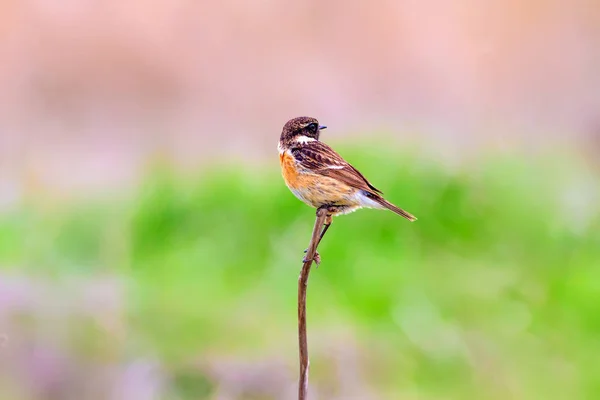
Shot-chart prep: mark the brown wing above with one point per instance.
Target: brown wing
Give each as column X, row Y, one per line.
column 322, row 159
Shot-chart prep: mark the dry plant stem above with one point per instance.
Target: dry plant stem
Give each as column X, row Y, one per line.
column 302, row 283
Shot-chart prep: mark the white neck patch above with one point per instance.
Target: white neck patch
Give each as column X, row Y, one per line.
column 301, row 139
column 304, row 139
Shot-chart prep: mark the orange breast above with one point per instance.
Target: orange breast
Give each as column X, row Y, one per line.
column 314, row 189
column 289, row 170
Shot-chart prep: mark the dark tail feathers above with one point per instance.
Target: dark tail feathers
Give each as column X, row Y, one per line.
column 395, row 209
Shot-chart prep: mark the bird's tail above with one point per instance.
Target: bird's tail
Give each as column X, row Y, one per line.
column 397, row 210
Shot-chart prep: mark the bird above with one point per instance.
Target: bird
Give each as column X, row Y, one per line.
column 320, row 177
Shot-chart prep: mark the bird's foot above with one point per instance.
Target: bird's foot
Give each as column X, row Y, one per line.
column 331, row 210
column 334, row 210
column 316, row 258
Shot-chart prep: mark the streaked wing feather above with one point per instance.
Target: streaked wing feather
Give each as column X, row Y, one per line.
column 322, row 159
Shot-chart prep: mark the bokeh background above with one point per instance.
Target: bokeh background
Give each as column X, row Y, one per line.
column 149, row 249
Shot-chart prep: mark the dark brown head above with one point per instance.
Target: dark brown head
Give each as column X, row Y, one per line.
column 300, row 129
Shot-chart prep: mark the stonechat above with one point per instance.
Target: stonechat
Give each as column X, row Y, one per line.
column 320, row 177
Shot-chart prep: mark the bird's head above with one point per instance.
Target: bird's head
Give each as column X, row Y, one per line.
column 300, row 129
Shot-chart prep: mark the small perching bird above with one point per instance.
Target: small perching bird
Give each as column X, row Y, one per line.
column 320, row 177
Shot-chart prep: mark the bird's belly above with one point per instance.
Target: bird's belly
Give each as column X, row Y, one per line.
column 320, row 190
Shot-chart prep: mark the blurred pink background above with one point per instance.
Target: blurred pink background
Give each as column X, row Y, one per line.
column 89, row 89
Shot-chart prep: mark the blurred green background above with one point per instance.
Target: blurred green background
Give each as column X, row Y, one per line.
column 492, row 293
column 149, row 248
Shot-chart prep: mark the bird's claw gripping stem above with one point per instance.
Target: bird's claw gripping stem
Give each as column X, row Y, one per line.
column 316, row 258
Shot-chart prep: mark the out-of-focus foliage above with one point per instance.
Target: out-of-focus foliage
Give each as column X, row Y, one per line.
column 493, row 293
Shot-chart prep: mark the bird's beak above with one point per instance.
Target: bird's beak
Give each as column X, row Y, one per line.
column 322, row 127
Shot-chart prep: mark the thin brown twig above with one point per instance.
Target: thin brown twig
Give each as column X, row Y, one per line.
column 302, row 284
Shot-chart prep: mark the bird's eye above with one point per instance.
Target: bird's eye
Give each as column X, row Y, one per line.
column 312, row 127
